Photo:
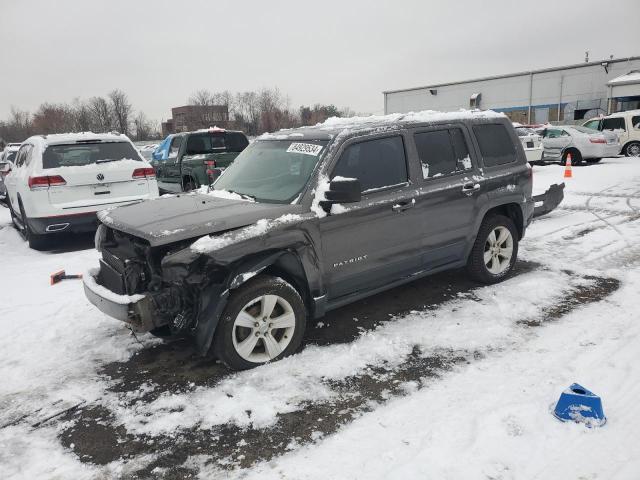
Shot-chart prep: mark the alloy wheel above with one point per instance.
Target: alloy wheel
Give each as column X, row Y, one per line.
column 498, row 250
column 263, row 328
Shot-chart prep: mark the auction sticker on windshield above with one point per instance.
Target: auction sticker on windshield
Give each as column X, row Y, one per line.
column 305, row 148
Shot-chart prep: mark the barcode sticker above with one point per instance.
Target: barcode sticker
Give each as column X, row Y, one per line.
column 305, row 148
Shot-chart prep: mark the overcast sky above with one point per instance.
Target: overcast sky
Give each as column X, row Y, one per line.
column 342, row 52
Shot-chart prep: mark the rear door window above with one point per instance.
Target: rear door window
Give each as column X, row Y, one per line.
column 616, row 123
column 442, row 152
column 635, row 121
column 495, row 144
column 376, row 163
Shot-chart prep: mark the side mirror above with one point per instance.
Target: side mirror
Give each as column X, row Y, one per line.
column 342, row 190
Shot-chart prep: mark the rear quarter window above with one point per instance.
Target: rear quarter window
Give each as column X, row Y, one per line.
column 495, row 144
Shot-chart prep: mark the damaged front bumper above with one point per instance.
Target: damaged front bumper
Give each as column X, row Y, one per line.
column 135, row 310
column 549, row 200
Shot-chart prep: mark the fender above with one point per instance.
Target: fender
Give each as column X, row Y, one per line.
column 214, row 299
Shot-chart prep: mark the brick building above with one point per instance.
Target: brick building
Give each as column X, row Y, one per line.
column 193, row 117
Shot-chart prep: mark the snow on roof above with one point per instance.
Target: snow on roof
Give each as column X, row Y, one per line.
column 338, row 125
column 60, row 138
column 627, row 79
column 425, row 116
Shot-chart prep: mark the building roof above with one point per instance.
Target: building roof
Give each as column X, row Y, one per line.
column 631, row 78
column 518, row 74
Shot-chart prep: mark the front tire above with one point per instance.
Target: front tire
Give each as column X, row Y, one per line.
column 632, row 149
column 264, row 321
column 494, row 251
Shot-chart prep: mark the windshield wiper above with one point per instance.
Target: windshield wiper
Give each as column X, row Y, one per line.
column 245, row 195
column 105, row 160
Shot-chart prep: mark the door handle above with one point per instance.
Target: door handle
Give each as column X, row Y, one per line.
column 402, row 206
column 470, row 188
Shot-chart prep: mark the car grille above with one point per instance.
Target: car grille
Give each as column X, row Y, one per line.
column 529, row 144
column 122, row 269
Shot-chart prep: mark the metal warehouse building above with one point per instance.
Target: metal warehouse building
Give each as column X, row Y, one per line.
column 561, row 94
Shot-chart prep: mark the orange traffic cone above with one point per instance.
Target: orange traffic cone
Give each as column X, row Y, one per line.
column 567, row 167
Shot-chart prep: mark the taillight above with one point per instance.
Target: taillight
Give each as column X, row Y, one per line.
column 210, row 164
column 597, row 140
column 139, row 173
column 36, row 183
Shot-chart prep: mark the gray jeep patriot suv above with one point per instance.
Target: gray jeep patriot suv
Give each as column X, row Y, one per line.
column 310, row 219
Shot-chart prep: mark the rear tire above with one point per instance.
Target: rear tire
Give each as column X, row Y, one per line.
column 35, row 241
column 264, row 321
column 576, row 157
column 494, row 251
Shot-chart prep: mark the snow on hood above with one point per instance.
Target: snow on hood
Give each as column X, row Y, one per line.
column 210, row 243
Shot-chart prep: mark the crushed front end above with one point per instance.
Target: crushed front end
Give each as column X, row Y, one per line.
column 133, row 285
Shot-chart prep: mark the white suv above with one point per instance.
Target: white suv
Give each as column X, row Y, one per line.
column 57, row 183
column 626, row 125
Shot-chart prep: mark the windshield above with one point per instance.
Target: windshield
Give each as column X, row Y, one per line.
column 79, row 154
column 272, row 171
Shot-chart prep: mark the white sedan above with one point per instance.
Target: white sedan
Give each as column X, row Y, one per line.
column 531, row 142
column 583, row 144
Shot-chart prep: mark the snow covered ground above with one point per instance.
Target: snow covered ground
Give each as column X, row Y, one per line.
column 459, row 386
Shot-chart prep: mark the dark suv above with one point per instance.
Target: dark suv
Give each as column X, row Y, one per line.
column 312, row 219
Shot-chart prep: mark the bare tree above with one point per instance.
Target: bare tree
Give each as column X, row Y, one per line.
column 82, row 118
column 144, row 128
column 53, row 118
column 203, row 98
column 121, row 109
column 101, row 118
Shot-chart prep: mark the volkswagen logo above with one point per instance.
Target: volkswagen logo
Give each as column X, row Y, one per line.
column 100, row 177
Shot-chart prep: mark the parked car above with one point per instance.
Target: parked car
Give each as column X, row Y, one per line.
column 58, row 182
column 197, row 158
column 626, row 125
column 531, row 142
column 6, row 162
column 584, row 144
column 311, row 219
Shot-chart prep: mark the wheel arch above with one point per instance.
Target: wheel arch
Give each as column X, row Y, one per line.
column 284, row 264
column 509, row 210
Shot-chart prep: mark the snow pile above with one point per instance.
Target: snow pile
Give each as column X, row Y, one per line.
column 210, row 243
column 319, row 195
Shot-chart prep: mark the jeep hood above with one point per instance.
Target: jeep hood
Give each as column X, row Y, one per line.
column 175, row 218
